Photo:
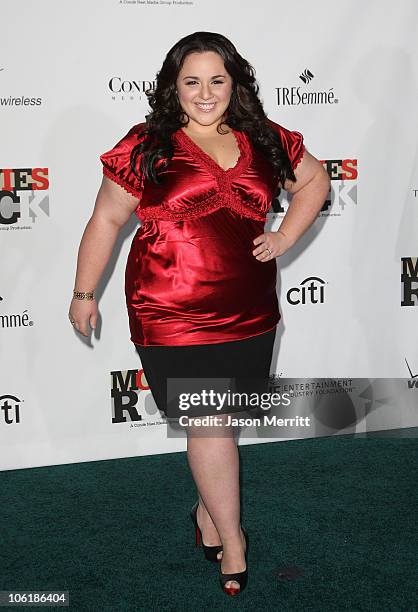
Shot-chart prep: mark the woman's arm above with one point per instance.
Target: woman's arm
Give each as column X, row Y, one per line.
column 112, row 209
column 309, row 194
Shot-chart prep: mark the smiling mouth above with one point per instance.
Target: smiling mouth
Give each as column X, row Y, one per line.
column 205, row 107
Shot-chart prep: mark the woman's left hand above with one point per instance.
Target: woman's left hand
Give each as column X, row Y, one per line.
column 270, row 245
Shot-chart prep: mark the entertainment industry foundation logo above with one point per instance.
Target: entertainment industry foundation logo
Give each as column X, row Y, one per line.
column 351, row 405
column 127, row 90
column 127, row 388
column 310, row 291
column 9, row 409
column 409, row 281
column 15, row 319
column 24, row 197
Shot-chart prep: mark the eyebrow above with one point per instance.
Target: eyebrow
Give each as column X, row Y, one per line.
column 195, row 77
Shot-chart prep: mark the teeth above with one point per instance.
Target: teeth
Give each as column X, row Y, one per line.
column 205, row 106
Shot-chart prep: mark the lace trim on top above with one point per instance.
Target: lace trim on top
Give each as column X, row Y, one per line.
column 122, row 182
column 224, row 196
column 206, row 206
column 244, row 158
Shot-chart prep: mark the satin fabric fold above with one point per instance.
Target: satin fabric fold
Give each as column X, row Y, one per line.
column 197, row 282
column 191, row 277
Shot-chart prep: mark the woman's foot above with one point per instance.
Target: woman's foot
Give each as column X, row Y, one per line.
column 210, row 535
column 233, row 559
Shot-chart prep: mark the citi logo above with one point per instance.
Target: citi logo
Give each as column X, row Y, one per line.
column 10, row 321
column 413, row 381
column 9, row 409
column 310, row 291
column 306, row 76
column 125, row 385
column 409, row 281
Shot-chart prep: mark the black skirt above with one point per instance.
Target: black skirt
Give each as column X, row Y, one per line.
column 245, row 362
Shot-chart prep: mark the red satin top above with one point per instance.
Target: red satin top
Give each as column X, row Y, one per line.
column 191, row 277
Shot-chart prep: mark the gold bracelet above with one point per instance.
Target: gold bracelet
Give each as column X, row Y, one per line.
column 83, row 295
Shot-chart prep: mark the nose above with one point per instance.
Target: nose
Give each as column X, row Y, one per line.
column 205, row 93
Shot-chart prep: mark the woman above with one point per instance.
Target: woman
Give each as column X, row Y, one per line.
column 200, row 281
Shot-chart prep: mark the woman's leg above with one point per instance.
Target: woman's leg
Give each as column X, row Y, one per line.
column 214, row 458
column 214, row 461
column 157, row 365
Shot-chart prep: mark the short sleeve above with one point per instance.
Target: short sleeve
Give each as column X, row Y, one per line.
column 116, row 162
column 292, row 142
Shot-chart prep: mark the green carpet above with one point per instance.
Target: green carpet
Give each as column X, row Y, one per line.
column 117, row 535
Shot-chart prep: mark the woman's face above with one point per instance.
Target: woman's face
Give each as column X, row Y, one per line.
column 204, row 88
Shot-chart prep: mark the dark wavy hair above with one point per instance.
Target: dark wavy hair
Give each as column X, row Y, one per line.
column 244, row 113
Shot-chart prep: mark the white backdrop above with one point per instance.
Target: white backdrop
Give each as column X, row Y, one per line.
column 64, row 67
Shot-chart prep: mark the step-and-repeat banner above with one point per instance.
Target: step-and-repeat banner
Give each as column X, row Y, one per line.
column 72, row 82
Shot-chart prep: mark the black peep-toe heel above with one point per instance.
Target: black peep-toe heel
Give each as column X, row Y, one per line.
column 240, row 577
column 211, row 552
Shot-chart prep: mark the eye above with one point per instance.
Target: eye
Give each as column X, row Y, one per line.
column 217, row 81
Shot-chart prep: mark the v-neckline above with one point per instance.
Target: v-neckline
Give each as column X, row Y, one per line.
column 193, row 148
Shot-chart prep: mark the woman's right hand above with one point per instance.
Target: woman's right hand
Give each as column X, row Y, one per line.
column 83, row 313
